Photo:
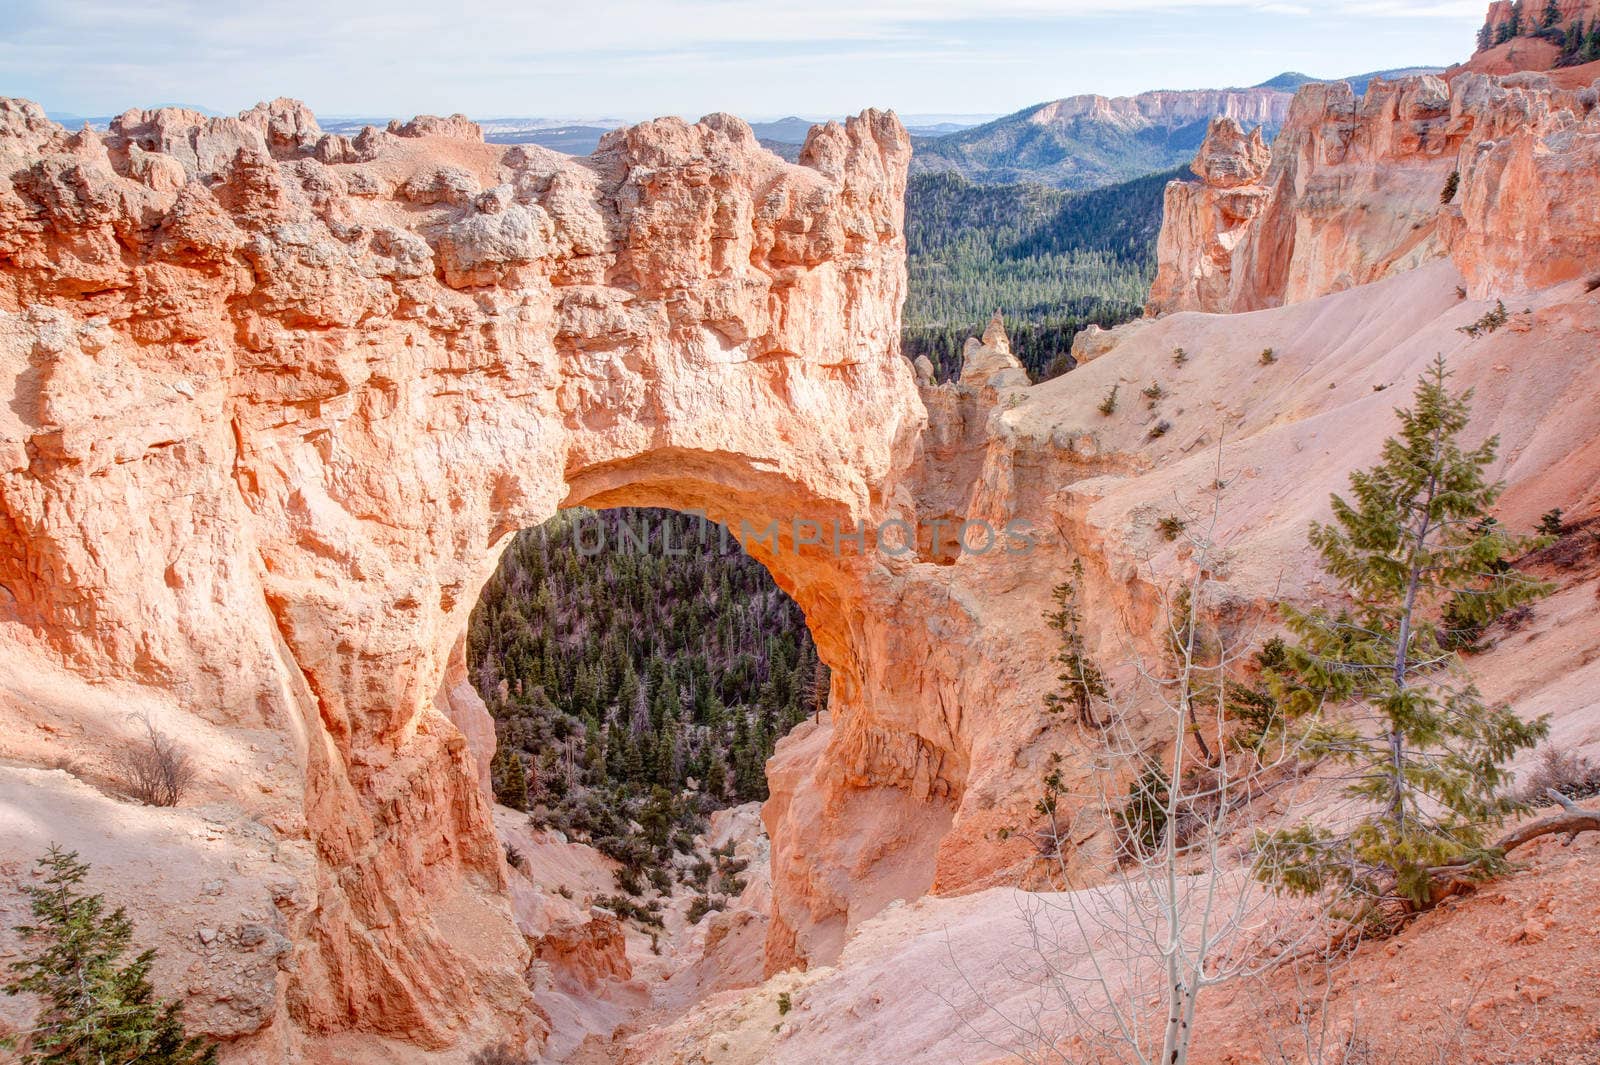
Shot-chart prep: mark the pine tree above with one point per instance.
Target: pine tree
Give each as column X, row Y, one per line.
column 1429, row 770
column 509, row 777
column 97, row 1011
column 1082, row 682
column 1485, row 37
column 1552, row 14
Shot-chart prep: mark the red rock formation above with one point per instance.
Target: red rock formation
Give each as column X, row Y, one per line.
column 280, row 397
column 587, row 953
column 1500, row 13
column 1353, row 194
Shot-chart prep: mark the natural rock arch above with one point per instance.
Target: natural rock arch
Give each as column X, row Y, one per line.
column 280, row 398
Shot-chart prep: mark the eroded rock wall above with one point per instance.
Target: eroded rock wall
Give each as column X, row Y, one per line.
column 277, row 399
column 1356, row 190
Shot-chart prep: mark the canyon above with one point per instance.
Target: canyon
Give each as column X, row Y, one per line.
column 279, row 397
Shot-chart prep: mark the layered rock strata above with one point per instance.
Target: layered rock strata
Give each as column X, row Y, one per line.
column 1490, row 172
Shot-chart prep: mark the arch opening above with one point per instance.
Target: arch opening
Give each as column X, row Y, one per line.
column 640, row 667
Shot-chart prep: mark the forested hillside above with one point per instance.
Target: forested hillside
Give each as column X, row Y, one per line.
column 1052, row 261
column 645, row 680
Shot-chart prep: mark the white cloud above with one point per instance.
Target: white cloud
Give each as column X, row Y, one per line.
column 495, row 56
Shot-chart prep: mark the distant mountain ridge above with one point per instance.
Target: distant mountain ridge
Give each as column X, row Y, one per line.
column 1089, row 141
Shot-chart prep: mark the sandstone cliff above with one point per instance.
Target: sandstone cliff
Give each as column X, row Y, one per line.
column 278, row 397
column 1355, row 191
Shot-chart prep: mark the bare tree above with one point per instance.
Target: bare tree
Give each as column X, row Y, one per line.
column 156, row 770
column 1117, row 969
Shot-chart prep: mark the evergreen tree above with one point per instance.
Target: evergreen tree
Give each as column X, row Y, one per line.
column 1429, row 767
column 1485, row 37
column 509, row 778
column 1552, row 14
column 1082, row 682
column 97, row 1010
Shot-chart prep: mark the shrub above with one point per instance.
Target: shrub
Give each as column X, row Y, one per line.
column 1179, row 356
column 1154, row 392
column 1108, row 406
column 514, row 857
column 95, row 1008
column 1563, row 771
column 1268, row 357
column 1451, row 184
column 627, row 880
column 622, row 906
column 1491, row 321
column 1143, row 817
column 1160, row 429
column 1171, row 526
column 499, row 1054
column 156, row 769
column 785, row 1003
column 1550, row 522
column 701, row 905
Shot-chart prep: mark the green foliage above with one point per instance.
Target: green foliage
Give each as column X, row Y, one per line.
column 1550, row 522
column 1254, row 707
column 1491, row 321
column 1081, row 681
column 98, row 1009
column 1108, row 406
column 510, row 778
column 701, row 905
column 1552, row 14
column 617, row 677
column 1160, row 429
column 1428, row 770
column 1179, row 356
column 647, row 914
column 785, row 1003
column 1153, row 393
column 1171, row 527
column 1143, row 817
column 1055, row 261
column 1451, row 185
column 1268, row 357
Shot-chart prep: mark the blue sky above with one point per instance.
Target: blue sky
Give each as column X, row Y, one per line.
column 629, row 59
